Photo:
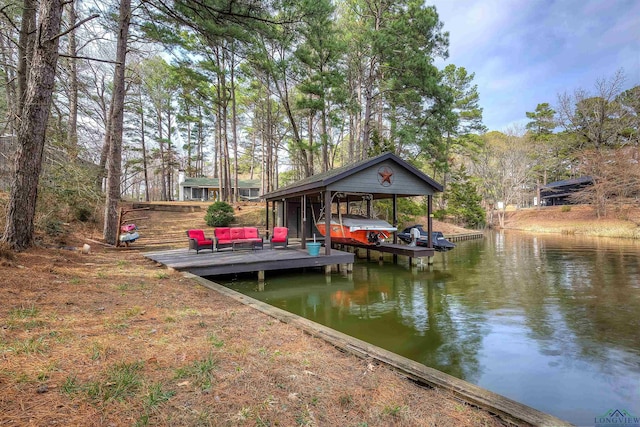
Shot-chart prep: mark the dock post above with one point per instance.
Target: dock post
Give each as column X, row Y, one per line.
column 349, row 268
column 430, row 260
column 261, row 276
column 327, row 269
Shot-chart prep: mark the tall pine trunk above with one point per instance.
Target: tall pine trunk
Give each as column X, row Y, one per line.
column 114, row 161
column 26, row 46
column 34, row 115
column 72, row 126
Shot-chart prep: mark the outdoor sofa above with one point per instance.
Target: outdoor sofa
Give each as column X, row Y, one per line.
column 228, row 237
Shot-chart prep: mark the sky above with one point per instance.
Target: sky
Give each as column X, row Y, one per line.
column 526, row 52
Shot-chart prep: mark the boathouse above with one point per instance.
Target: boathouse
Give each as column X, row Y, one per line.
column 386, row 176
column 560, row 192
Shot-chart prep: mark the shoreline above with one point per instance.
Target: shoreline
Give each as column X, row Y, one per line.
column 576, row 220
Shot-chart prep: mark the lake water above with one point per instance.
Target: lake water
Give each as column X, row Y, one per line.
column 550, row 321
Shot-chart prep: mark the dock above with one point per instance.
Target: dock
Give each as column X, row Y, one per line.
column 391, row 248
column 465, row 236
column 245, row 261
column 414, row 253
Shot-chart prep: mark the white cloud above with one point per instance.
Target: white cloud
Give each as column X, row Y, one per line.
column 526, row 52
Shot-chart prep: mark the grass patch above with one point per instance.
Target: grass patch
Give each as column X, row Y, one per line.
column 133, row 311
column 394, row 410
column 25, row 318
column 70, row 385
column 199, row 372
column 22, row 312
column 215, row 341
column 156, row 396
column 31, row 345
column 123, row 380
column 346, row 401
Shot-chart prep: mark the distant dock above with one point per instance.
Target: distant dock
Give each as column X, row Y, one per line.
column 465, row 236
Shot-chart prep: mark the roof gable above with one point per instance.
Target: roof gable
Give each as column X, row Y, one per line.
column 385, row 174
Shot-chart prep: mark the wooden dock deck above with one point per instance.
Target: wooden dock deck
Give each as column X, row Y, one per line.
column 243, row 261
column 391, row 248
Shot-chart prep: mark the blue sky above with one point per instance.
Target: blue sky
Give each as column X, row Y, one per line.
column 525, row 52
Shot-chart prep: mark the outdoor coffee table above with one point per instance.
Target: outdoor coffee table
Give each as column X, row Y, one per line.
column 238, row 245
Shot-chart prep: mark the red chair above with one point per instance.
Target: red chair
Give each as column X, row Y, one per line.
column 197, row 240
column 280, row 237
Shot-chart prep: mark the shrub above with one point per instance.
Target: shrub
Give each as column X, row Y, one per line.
column 565, row 208
column 219, row 214
column 82, row 213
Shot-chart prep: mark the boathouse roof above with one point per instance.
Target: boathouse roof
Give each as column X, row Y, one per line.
column 382, row 176
column 568, row 182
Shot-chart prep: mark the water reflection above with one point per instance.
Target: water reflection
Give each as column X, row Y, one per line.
column 551, row 321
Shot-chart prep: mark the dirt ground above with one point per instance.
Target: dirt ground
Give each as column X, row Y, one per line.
column 111, row 339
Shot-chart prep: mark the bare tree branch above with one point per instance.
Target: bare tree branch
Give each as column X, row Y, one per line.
column 76, row 25
column 89, row 59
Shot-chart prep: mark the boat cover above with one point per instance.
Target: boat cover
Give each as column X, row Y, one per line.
column 358, row 222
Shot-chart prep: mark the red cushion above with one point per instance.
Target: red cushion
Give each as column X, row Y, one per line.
column 222, row 233
column 196, row 234
column 237, row 233
column 280, row 234
column 251, row 233
column 205, row 242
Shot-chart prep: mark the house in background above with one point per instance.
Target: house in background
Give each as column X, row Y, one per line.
column 559, row 192
column 204, row 189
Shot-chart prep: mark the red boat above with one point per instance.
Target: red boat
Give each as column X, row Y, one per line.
column 357, row 229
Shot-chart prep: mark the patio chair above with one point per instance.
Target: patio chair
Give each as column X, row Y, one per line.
column 198, row 241
column 280, row 237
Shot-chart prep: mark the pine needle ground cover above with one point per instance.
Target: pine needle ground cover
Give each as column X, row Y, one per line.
column 111, row 339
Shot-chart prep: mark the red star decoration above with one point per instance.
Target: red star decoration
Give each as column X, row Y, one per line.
column 386, row 176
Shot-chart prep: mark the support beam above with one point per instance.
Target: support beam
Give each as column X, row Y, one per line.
column 327, row 222
column 266, row 212
column 395, row 224
column 285, row 216
column 303, row 212
column 429, row 221
column 395, row 217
